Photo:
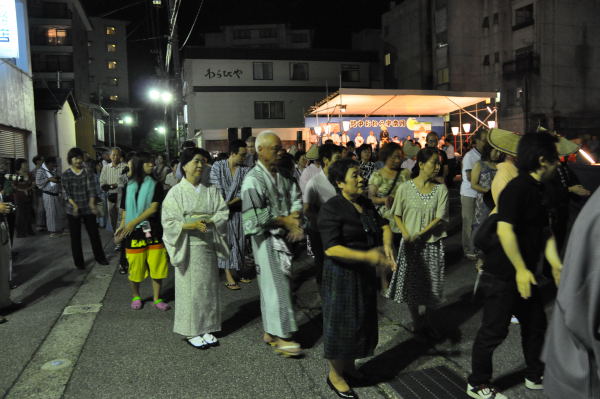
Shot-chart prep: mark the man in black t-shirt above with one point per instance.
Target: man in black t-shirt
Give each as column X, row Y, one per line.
column 508, row 282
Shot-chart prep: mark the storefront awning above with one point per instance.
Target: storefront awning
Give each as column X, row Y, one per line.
column 378, row 102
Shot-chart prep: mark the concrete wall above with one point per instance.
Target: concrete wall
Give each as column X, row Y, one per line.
column 58, row 135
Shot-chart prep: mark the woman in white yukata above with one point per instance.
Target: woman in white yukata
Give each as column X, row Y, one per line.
column 194, row 219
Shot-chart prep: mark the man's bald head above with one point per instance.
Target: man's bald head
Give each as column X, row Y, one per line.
column 268, row 146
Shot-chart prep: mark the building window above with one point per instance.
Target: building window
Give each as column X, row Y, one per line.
column 441, row 39
column 89, row 44
column 443, row 76
column 496, row 57
column 90, row 60
column 486, row 23
column 267, row 33
column 299, row 70
column 113, row 97
column 388, row 59
column 350, row 73
column 111, row 64
column 56, row 37
column 486, row 59
column 523, row 16
column 268, row 110
column 495, row 20
column 111, row 48
column 111, row 30
column 114, row 81
column 263, row 71
column 241, row 34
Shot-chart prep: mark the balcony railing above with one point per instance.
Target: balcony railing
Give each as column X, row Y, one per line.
column 521, row 66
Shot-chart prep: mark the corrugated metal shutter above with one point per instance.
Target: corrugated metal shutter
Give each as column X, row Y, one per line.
column 12, row 144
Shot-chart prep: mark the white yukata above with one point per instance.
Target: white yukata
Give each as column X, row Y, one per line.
column 194, row 255
column 265, row 198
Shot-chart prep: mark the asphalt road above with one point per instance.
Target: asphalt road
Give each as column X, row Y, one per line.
column 78, row 338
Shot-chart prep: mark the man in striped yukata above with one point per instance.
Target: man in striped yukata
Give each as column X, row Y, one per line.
column 271, row 211
column 48, row 182
column 227, row 175
column 112, row 182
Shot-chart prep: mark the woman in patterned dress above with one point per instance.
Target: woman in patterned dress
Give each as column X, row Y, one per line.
column 356, row 240
column 420, row 210
column 383, row 184
column 481, row 181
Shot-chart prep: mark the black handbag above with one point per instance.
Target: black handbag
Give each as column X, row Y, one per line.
column 486, row 237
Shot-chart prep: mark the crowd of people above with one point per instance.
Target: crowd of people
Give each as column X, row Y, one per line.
column 374, row 220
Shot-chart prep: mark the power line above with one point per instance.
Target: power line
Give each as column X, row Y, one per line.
column 192, row 28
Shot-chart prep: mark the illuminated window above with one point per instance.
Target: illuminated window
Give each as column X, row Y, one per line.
column 111, row 30
column 388, row 59
column 114, row 97
column 111, row 65
column 56, row 37
column 111, row 48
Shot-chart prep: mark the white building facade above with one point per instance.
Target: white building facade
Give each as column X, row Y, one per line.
column 263, row 88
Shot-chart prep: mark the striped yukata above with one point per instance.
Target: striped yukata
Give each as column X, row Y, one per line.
column 230, row 186
column 264, row 198
column 53, row 206
column 113, row 175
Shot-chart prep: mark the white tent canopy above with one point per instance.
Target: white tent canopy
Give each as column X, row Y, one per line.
column 373, row 102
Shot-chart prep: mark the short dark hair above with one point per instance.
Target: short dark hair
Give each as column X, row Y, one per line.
column 337, row 171
column 174, row 163
column 187, row 155
column 138, row 161
column 51, row 160
column 38, row 158
column 364, row 147
column 532, row 146
column 235, row 145
column 298, row 155
column 328, row 150
column 350, row 144
column 206, row 155
column 423, row 156
column 19, row 162
column 477, row 136
column 74, row 152
column 387, row 150
column 188, row 144
column 130, row 155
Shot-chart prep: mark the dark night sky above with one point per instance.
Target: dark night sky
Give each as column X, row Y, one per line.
column 334, row 21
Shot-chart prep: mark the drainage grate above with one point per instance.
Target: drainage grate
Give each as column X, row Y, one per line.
column 433, row 383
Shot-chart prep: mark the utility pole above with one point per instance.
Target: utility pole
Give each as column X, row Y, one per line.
column 176, row 109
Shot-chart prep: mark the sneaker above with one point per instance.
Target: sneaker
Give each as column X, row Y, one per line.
column 484, row 392
column 535, row 384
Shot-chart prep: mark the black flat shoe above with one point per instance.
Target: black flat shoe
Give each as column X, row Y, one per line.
column 102, row 262
column 346, row 394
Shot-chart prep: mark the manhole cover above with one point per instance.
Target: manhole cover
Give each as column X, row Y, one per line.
column 77, row 309
column 432, row 383
column 56, row 364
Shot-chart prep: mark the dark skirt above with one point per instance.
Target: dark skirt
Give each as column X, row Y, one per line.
column 349, row 293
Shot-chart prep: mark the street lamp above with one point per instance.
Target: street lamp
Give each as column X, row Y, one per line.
column 162, row 96
column 161, row 130
column 127, row 120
